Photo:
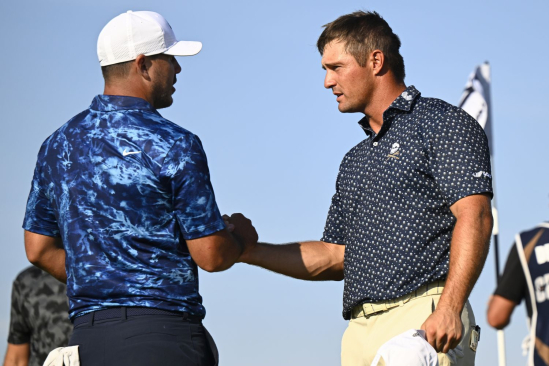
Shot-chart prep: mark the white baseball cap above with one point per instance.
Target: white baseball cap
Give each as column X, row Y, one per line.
column 141, row 32
column 407, row 349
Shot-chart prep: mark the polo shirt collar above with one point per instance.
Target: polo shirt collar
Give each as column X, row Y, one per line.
column 109, row 103
column 403, row 102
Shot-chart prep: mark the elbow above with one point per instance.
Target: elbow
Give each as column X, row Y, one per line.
column 34, row 256
column 497, row 323
column 334, row 273
column 487, row 218
column 338, row 275
column 214, row 268
column 338, row 269
column 497, row 320
column 33, row 259
column 489, row 222
column 214, row 264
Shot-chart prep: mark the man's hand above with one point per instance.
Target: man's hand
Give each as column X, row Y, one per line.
column 242, row 229
column 443, row 329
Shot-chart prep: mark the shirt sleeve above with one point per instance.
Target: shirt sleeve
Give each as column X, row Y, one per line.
column 334, row 230
column 193, row 196
column 40, row 215
column 512, row 284
column 460, row 157
column 20, row 329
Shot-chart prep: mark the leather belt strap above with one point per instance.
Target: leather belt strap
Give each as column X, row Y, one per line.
column 124, row 312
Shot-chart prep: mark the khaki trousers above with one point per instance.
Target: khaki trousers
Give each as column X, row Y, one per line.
column 373, row 324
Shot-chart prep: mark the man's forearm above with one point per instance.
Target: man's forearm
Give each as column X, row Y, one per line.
column 468, row 252
column 313, row 261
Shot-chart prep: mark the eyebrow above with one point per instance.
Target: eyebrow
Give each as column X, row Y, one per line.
column 330, row 65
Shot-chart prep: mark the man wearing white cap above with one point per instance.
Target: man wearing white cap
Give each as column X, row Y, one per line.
column 128, row 194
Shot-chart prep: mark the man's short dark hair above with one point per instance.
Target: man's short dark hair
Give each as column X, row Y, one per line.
column 363, row 32
column 122, row 69
column 116, row 71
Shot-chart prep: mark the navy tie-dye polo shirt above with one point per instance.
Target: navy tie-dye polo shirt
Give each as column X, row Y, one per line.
column 124, row 188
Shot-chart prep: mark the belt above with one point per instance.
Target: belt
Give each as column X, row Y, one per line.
column 126, row 312
column 371, row 308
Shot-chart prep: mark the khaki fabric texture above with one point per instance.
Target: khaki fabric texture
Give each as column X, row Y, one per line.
column 366, row 333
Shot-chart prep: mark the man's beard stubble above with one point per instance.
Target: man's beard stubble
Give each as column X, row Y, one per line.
column 162, row 95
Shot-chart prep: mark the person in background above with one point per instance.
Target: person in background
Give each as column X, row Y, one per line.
column 39, row 320
column 526, row 277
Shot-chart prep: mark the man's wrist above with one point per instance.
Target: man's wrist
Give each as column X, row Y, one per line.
column 249, row 256
column 450, row 303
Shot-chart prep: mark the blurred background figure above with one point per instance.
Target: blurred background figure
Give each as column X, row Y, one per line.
column 525, row 276
column 39, row 318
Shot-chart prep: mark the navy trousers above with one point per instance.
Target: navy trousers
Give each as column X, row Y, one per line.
column 144, row 340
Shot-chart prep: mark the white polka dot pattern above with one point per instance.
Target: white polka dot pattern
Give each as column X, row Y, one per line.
column 393, row 195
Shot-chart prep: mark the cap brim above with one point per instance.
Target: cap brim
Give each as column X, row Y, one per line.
column 184, row 48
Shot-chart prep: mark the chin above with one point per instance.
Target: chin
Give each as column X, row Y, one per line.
column 164, row 103
column 344, row 109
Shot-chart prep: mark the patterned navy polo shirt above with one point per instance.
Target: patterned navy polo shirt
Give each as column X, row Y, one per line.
column 394, row 190
column 123, row 187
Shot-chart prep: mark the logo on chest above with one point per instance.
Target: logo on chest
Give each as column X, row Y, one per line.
column 394, row 153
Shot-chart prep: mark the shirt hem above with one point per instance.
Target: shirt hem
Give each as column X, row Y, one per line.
column 42, row 230
column 332, row 241
column 207, row 230
column 471, row 193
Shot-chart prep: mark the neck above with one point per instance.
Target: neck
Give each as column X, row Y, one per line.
column 383, row 96
column 127, row 88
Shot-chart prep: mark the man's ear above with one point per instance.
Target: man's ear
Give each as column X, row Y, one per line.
column 377, row 61
column 143, row 65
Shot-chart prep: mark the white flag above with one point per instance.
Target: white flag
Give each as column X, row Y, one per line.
column 475, row 99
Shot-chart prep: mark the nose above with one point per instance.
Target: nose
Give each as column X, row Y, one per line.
column 177, row 66
column 329, row 81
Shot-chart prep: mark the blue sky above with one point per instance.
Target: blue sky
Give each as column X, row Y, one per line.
column 274, row 137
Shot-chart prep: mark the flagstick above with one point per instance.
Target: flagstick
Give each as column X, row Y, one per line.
column 476, row 100
column 495, row 234
column 496, row 253
column 501, row 347
column 500, row 333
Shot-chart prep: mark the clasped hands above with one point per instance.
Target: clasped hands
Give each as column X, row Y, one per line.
column 243, row 231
